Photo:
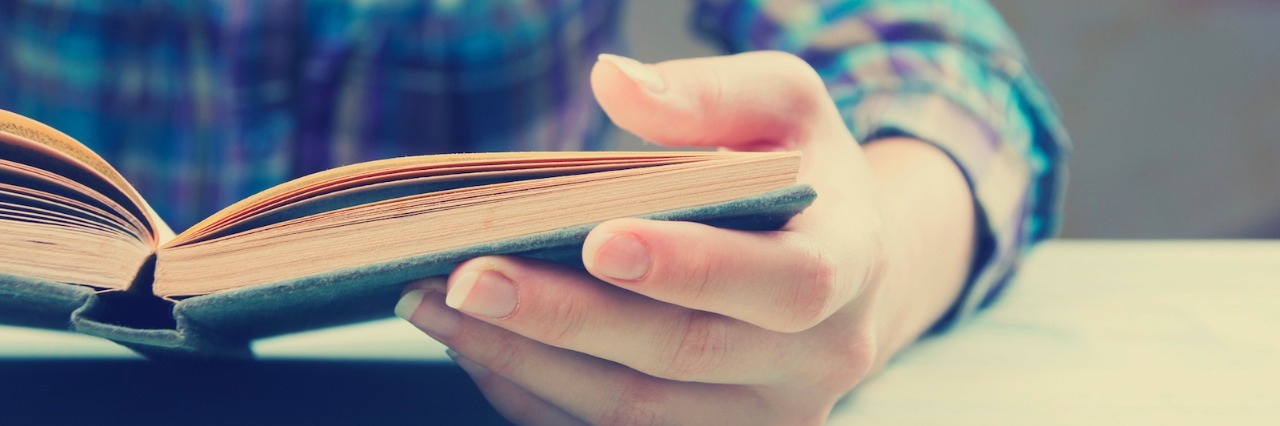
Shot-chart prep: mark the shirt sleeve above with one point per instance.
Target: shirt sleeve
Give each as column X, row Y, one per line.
column 948, row 72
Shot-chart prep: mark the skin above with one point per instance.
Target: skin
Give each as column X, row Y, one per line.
column 680, row 323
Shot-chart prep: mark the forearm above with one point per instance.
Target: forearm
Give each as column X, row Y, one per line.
column 930, row 218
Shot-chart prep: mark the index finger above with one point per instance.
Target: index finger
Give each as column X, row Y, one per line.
column 780, row 281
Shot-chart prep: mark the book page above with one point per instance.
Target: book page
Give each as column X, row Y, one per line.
column 46, row 246
column 27, row 141
column 382, row 171
column 17, row 197
column 385, row 230
column 71, row 192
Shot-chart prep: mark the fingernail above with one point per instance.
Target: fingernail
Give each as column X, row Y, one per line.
column 622, row 256
column 642, row 74
column 476, row 371
column 409, row 303
column 487, row 293
column 426, row 309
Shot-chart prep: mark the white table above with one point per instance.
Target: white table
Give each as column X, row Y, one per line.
column 1093, row 332
column 1103, row 332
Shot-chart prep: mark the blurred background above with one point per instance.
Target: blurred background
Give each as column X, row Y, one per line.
column 1173, row 105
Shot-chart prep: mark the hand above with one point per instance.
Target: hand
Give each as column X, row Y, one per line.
column 677, row 322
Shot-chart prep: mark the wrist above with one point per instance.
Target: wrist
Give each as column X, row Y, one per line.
column 927, row 238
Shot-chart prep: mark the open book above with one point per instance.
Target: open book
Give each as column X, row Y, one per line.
column 81, row 249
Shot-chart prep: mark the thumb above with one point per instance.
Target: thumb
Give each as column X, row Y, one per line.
column 750, row 101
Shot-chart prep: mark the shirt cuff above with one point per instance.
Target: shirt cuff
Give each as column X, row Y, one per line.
column 997, row 175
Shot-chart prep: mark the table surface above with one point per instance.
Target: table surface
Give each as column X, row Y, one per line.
column 1092, row 332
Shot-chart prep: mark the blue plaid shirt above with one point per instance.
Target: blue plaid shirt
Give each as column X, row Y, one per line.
column 202, row 103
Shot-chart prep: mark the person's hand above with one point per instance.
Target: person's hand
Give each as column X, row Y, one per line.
column 677, row 322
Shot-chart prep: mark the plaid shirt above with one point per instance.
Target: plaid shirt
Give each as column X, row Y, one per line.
column 202, row 103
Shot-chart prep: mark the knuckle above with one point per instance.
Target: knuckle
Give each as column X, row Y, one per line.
column 697, row 285
column 806, row 75
column 697, row 280
column 698, row 348
column 496, row 390
column 812, row 298
column 806, row 92
column 563, row 323
column 713, row 84
column 710, row 103
column 852, row 358
column 639, row 403
column 503, row 357
column 802, row 73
